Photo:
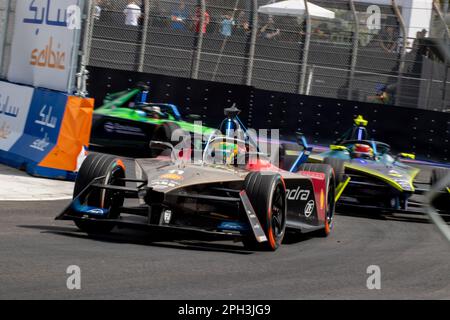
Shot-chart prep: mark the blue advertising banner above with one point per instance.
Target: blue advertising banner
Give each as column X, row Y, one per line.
column 15, row 103
column 42, row 126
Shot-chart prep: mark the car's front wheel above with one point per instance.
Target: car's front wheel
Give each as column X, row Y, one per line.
column 111, row 171
column 442, row 201
column 168, row 132
column 267, row 194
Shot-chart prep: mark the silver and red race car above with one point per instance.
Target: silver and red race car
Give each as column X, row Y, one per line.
column 232, row 190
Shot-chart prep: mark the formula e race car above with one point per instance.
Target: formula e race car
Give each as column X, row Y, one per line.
column 230, row 189
column 378, row 179
column 126, row 121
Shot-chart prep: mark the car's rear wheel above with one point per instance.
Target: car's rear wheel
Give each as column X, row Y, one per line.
column 113, row 171
column 338, row 166
column 442, row 202
column 330, row 181
column 285, row 155
column 166, row 133
column 439, row 174
column 267, row 194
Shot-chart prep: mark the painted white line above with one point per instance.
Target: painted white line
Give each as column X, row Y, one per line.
column 16, row 185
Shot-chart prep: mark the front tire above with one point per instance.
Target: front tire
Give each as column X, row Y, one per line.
column 267, row 194
column 96, row 166
column 442, row 201
column 165, row 133
column 338, row 166
column 330, row 181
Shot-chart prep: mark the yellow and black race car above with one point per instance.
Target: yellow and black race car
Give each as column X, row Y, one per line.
column 377, row 178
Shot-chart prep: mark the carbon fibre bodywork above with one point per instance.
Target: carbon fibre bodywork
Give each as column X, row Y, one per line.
column 126, row 120
column 382, row 181
column 204, row 199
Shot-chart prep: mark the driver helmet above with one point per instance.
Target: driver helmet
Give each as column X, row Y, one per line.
column 156, row 109
column 227, row 152
column 362, row 151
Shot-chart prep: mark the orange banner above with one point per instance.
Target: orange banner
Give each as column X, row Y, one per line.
column 74, row 135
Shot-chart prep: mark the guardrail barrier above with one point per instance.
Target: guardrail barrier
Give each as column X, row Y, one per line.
column 43, row 132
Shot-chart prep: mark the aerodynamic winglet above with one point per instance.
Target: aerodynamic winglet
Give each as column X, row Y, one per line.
column 253, row 219
column 341, row 187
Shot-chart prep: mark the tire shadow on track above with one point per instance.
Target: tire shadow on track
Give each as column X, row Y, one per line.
column 385, row 216
column 171, row 241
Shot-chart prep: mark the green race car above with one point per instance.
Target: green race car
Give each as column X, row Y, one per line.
column 127, row 122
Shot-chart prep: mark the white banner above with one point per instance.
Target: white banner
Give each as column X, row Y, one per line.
column 15, row 104
column 3, row 13
column 43, row 42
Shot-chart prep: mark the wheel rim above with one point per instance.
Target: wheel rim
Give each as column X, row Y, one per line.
column 107, row 197
column 278, row 216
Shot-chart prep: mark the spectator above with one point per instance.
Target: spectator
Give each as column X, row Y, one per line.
column 179, row 17
column 419, row 44
column 322, row 31
column 227, row 26
column 269, row 31
column 388, row 39
column 381, row 96
column 242, row 25
column 97, row 10
column 197, row 19
column 132, row 14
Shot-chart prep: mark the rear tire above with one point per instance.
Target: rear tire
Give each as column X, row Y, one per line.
column 338, row 166
column 164, row 133
column 439, row 174
column 442, row 201
column 331, row 192
column 286, row 160
column 95, row 166
column 267, row 194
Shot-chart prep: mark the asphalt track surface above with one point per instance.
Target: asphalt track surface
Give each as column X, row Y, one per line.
column 35, row 251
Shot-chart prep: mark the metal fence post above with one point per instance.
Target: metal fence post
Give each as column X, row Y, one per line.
column 198, row 50
column 402, row 53
column 82, row 75
column 224, row 43
column 3, row 40
column 310, row 80
column 88, row 31
column 254, row 34
column 306, row 45
column 354, row 50
column 144, row 35
column 447, row 37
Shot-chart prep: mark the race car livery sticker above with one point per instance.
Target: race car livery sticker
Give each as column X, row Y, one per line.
column 175, row 175
column 123, row 129
column 164, row 184
column 171, row 176
column 315, row 175
column 298, row 194
column 395, row 173
column 322, row 199
column 309, row 208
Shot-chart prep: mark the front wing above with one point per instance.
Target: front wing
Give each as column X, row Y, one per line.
column 144, row 217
